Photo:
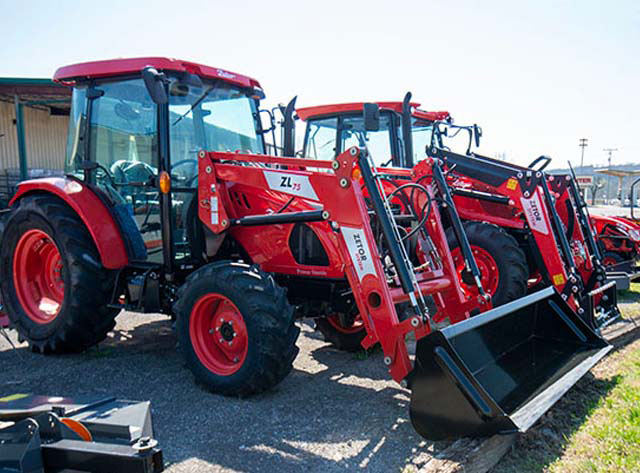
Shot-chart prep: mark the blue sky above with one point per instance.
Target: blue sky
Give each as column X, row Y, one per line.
column 537, row 76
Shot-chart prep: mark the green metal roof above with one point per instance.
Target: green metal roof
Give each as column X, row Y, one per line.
column 27, row 81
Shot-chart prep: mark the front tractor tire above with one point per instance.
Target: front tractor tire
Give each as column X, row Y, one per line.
column 235, row 328
column 503, row 265
column 54, row 288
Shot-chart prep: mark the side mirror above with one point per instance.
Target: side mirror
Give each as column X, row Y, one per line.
column 371, row 114
column 154, row 82
column 270, row 121
column 477, row 133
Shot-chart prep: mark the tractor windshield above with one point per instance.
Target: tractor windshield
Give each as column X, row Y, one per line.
column 422, row 132
column 326, row 138
column 217, row 117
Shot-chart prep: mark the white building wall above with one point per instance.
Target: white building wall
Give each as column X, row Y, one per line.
column 45, row 135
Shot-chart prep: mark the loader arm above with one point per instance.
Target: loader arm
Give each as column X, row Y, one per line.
column 527, row 192
column 338, row 193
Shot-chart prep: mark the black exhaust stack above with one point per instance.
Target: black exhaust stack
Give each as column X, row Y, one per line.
column 289, row 129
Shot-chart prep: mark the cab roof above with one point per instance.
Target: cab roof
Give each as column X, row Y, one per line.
column 343, row 108
column 69, row 75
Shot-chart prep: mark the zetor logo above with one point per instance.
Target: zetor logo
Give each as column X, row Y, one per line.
column 286, row 183
column 225, row 74
column 535, row 217
column 361, row 253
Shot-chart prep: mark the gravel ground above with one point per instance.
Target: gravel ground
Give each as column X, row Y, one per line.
column 334, row 412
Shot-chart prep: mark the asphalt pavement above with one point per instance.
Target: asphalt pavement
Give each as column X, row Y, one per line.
column 335, row 412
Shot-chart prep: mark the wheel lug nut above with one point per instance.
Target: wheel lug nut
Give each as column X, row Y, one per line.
column 230, row 343
column 210, row 330
column 221, row 340
column 236, row 359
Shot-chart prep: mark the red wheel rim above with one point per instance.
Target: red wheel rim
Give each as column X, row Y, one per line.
column 37, row 276
column 356, row 327
column 218, row 334
column 489, row 272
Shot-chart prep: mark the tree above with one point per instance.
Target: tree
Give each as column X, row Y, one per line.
column 598, row 183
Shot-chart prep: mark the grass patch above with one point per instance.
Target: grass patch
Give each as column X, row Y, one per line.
column 631, row 295
column 595, row 427
column 610, row 439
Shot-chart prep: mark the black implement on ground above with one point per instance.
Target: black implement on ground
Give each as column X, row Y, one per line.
column 43, row 434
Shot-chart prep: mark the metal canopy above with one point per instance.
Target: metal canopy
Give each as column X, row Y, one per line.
column 621, row 173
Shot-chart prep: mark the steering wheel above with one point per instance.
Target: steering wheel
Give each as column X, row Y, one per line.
column 125, row 171
column 545, row 160
column 185, row 162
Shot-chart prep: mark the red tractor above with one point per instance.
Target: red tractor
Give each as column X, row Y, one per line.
column 170, row 205
column 527, row 229
column 619, row 239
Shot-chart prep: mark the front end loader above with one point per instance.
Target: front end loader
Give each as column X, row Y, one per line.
column 546, row 238
column 170, row 205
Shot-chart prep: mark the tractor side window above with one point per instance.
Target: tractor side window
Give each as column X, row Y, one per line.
column 124, row 132
column 123, row 141
column 320, row 142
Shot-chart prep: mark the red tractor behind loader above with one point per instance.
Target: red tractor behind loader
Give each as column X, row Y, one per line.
column 619, row 239
column 170, row 205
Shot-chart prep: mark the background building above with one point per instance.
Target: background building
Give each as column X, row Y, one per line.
column 34, row 115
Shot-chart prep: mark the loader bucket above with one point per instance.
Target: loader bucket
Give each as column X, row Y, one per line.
column 499, row 371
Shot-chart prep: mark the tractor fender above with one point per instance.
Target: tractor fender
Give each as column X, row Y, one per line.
column 92, row 211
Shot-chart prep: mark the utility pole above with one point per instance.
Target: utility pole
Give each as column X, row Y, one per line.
column 583, row 144
column 610, row 151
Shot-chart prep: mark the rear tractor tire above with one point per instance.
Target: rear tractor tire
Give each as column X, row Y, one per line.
column 343, row 336
column 236, row 328
column 502, row 264
column 54, row 288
